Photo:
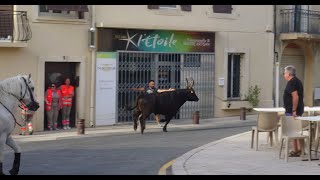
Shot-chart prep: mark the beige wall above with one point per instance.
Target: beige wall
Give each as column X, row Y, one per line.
column 311, row 52
column 253, row 18
column 258, row 53
column 243, row 31
column 49, row 41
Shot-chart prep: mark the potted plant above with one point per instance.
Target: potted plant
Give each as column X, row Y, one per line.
column 253, row 96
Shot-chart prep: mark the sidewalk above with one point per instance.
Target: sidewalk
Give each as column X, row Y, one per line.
column 128, row 128
column 233, row 155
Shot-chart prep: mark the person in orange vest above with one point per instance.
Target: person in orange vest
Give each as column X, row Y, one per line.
column 53, row 105
column 67, row 92
column 27, row 116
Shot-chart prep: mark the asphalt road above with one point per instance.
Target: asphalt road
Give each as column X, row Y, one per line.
column 124, row 154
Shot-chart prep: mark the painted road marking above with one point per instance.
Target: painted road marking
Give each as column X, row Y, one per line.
column 163, row 169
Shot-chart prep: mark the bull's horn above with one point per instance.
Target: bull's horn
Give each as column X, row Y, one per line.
column 187, row 83
column 192, row 82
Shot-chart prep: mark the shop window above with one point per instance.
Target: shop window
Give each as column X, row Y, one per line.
column 234, row 65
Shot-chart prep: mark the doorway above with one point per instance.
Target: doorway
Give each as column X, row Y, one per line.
column 57, row 72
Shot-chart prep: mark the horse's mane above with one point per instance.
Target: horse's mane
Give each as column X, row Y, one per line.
column 12, row 85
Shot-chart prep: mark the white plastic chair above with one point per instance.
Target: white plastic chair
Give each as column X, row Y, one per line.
column 291, row 129
column 266, row 122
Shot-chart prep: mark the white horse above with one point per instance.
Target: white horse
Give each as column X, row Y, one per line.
column 13, row 91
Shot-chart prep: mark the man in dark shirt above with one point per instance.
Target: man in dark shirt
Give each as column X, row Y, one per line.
column 151, row 89
column 293, row 100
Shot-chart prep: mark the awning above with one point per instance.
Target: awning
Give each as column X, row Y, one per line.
column 79, row 8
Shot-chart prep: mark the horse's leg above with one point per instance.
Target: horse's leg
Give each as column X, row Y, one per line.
column 3, row 138
column 17, row 153
column 2, row 144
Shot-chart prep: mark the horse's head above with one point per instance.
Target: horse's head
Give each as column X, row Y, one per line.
column 27, row 93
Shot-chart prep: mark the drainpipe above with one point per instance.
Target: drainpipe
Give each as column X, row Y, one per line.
column 93, row 71
column 276, row 61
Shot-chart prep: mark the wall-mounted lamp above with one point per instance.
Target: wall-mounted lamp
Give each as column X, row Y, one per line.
column 92, row 32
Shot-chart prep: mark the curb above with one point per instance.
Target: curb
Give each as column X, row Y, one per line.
column 178, row 168
column 120, row 131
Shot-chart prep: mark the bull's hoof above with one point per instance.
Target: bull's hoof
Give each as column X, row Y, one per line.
column 135, row 129
column 14, row 172
column 2, row 174
column 165, row 130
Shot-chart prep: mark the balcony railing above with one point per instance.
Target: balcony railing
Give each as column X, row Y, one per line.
column 14, row 26
column 300, row 21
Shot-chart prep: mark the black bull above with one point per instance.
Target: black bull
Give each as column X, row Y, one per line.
column 166, row 103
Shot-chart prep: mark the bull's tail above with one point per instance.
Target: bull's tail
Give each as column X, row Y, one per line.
column 130, row 108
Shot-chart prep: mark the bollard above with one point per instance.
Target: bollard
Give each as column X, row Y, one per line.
column 242, row 113
column 80, row 126
column 196, row 117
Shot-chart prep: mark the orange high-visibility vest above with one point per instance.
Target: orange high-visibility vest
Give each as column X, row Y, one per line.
column 66, row 91
column 49, row 98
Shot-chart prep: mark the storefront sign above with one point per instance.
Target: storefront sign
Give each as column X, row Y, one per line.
column 155, row 40
column 106, row 88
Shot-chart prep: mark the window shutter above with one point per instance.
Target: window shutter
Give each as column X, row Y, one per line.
column 6, row 20
column 79, row 8
column 6, row 8
column 153, row 6
column 227, row 9
column 186, row 7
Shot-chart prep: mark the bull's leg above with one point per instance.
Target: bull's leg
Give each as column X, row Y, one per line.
column 136, row 116
column 143, row 121
column 168, row 118
column 2, row 144
column 17, row 153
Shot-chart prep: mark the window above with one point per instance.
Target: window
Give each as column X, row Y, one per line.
column 168, row 6
column 6, row 22
column 226, row 9
column 66, row 11
column 233, row 91
column 183, row 7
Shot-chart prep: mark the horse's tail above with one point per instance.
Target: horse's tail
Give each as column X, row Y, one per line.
column 137, row 101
